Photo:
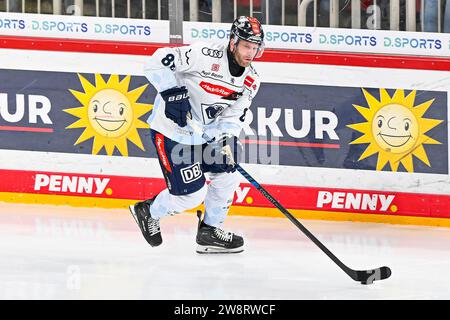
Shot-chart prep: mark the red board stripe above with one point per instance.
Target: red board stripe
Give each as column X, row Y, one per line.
column 270, row 55
column 358, row 59
column 292, row 197
column 74, row 45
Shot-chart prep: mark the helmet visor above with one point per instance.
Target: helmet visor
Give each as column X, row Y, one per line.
column 260, row 51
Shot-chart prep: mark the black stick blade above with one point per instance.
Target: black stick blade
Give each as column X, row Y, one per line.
column 369, row 276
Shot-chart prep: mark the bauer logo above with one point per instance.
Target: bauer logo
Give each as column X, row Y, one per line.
column 191, row 173
column 356, row 201
column 70, row 184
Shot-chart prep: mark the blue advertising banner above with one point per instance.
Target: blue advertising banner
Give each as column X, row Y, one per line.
column 66, row 112
column 389, row 129
column 352, row 128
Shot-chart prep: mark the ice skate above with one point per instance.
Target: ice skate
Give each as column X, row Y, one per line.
column 150, row 227
column 215, row 240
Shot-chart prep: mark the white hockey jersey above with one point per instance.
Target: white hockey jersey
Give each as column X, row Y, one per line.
column 218, row 100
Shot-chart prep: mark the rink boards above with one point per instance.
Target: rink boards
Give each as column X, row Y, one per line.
column 311, row 136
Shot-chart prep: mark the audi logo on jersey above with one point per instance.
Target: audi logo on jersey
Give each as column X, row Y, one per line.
column 212, row 53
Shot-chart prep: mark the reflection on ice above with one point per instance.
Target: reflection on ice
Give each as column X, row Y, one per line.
column 57, row 252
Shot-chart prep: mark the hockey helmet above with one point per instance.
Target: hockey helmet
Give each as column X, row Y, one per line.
column 248, row 29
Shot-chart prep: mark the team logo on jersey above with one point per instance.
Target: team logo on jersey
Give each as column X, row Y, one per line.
column 212, row 111
column 212, row 53
column 215, row 67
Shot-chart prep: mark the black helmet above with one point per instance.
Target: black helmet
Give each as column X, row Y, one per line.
column 249, row 29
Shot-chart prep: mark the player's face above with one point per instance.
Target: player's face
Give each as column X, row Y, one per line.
column 245, row 52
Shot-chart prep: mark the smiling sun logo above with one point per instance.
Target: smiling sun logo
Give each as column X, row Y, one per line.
column 395, row 129
column 109, row 113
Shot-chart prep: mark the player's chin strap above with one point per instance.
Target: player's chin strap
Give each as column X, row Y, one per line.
column 362, row 276
column 226, row 150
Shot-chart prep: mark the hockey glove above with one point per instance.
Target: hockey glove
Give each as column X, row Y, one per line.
column 177, row 104
column 228, row 151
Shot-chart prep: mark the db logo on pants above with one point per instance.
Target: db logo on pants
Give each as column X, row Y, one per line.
column 192, row 173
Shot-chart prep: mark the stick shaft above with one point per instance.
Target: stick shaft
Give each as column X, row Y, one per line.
column 269, row 197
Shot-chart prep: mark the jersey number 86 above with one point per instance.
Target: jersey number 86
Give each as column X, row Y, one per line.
column 167, row 61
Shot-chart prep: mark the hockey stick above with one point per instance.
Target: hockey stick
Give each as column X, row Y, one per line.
column 362, row 276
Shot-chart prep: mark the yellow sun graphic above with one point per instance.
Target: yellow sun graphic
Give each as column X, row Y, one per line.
column 395, row 129
column 109, row 113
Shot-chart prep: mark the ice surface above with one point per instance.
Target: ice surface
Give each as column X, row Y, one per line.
column 58, row 252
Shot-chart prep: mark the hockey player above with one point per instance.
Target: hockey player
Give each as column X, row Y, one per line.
column 212, row 84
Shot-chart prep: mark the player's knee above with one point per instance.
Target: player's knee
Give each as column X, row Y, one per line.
column 199, row 196
column 226, row 180
column 192, row 200
column 234, row 178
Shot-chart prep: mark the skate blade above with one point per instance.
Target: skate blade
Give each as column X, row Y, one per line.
column 131, row 207
column 216, row 250
column 133, row 213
